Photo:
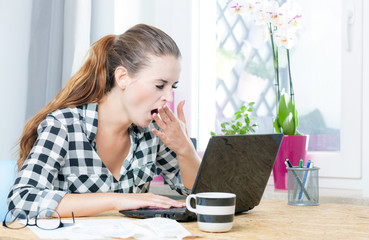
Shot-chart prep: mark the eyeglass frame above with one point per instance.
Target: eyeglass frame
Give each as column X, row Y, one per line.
column 61, row 224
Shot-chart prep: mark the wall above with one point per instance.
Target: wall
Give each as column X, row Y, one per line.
column 365, row 154
column 15, row 21
column 174, row 18
column 102, row 19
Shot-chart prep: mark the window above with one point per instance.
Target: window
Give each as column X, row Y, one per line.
column 327, row 75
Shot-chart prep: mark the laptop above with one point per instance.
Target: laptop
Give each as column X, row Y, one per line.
column 239, row 164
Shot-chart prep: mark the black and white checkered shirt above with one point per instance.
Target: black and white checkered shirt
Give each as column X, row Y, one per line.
column 64, row 160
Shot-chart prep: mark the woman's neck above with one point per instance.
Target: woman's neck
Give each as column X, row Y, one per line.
column 111, row 115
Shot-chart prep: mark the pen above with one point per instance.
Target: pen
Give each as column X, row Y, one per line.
column 299, row 175
column 305, row 177
column 288, row 163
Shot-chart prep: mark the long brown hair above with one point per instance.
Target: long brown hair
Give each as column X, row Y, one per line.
column 96, row 76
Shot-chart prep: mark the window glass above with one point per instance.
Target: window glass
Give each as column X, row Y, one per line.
column 244, row 71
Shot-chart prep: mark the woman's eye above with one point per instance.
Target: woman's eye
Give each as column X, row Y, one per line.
column 174, row 87
column 160, row 86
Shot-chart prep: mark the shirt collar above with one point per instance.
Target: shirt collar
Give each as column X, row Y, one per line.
column 90, row 116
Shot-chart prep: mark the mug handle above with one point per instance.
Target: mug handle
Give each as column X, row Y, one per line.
column 188, row 202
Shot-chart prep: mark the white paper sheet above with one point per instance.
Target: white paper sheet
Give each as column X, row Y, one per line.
column 151, row 228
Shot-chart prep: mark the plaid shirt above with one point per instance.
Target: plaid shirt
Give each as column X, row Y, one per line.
column 64, row 160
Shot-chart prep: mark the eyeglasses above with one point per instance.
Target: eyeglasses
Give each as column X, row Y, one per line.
column 17, row 219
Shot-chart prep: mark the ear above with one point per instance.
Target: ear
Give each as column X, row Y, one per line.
column 121, row 77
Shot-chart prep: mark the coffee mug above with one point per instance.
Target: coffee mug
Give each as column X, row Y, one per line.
column 214, row 210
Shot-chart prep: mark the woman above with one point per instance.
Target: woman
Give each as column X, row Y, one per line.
column 97, row 138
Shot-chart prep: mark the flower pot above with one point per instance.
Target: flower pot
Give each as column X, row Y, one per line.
column 294, row 148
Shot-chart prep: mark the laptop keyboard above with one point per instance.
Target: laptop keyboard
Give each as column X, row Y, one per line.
column 172, row 209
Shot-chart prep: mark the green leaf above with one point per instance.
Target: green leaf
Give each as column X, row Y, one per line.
column 296, row 119
column 276, row 126
column 283, row 109
column 247, row 121
column 242, row 122
column 288, row 125
column 212, row 133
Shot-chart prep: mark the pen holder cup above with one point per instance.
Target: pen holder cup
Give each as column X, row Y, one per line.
column 303, row 186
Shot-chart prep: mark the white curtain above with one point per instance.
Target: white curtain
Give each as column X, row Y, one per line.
column 60, row 38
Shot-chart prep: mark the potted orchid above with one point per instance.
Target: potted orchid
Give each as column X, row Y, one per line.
column 281, row 23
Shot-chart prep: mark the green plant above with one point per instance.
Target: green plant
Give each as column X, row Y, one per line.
column 287, row 119
column 282, row 23
column 242, row 123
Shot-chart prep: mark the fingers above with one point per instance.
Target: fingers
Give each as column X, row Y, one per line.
column 170, row 125
column 159, row 134
column 181, row 115
column 158, row 120
column 166, row 114
column 169, row 202
column 161, row 201
column 143, row 200
column 180, row 112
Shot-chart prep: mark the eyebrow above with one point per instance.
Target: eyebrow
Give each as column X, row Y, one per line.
column 165, row 81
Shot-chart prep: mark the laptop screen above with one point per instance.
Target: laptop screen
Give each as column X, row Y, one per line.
column 239, row 164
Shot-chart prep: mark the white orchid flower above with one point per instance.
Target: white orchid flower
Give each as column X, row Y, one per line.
column 241, row 6
column 262, row 12
column 237, row 6
column 276, row 15
column 285, row 37
column 292, row 14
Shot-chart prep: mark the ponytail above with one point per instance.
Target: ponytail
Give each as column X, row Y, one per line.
column 88, row 85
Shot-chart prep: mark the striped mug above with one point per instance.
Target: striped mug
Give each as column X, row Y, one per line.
column 214, row 210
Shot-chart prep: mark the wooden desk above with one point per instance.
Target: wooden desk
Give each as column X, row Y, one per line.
column 272, row 219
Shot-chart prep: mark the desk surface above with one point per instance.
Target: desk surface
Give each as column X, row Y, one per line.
column 272, row 219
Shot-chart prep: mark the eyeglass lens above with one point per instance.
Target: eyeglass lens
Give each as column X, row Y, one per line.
column 16, row 219
column 45, row 219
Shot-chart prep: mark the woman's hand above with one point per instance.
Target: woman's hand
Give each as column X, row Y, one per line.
column 128, row 201
column 174, row 132
column 87, row 204
column 175, row 136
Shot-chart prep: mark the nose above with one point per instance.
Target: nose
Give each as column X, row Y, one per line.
column 169, row 96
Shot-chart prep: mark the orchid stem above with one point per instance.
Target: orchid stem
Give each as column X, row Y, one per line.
column 292, row 93
column 276, row 74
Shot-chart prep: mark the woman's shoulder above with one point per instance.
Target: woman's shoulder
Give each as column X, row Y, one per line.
column 66, row 116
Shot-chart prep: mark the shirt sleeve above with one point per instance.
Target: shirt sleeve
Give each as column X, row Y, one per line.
column 168, row 164
column 33, row 189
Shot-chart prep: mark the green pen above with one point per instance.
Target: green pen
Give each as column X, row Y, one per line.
column 301, row 165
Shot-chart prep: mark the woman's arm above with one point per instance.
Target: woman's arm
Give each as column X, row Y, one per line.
column 87, row 204
column 175, row 136
column 33, row 188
